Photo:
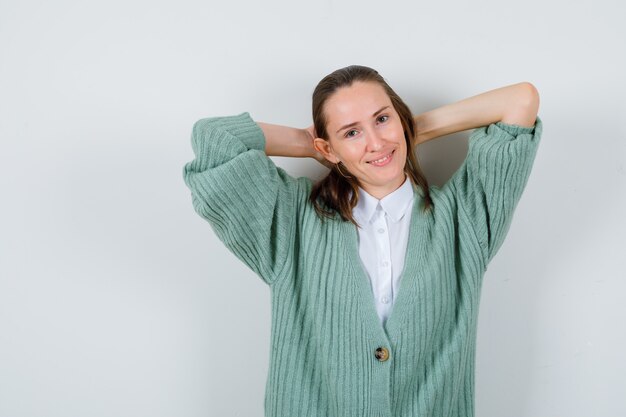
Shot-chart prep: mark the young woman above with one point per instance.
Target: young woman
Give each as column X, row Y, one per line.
column 375, row 276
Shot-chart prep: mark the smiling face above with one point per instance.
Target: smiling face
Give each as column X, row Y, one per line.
column 366, row 135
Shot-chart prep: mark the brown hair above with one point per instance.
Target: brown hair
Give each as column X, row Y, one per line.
column 331, row 194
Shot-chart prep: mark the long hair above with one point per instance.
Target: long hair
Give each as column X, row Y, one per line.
column 331, row 195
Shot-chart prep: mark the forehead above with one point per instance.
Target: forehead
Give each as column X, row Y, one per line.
column 355, row 103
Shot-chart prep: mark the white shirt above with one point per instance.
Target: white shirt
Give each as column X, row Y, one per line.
column 383, row 239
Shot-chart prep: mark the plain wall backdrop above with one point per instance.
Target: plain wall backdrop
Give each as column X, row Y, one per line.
column 117, row 299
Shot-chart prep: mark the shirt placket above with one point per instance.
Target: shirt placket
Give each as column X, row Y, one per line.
column 383, row 262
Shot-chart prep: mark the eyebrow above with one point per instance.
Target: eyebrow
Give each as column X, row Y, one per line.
column 354, row 123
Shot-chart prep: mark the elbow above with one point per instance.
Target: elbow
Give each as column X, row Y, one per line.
column 530, row 96
column 526, row 106
column 530, row 100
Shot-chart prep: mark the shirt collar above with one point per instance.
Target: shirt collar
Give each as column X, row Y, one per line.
column 394, row 204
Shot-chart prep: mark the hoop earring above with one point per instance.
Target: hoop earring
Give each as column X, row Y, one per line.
column 339, row 169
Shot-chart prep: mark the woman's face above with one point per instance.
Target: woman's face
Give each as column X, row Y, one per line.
column 366, row 135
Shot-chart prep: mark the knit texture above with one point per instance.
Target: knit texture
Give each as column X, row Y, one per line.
column 324, row 326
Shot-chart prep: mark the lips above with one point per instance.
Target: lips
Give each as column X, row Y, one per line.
column 381, row 157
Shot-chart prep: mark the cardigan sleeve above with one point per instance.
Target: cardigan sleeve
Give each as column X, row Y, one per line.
column 248, row 200
column 490, row 181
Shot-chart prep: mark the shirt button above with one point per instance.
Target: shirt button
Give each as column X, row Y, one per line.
column 385, row 300
column 381, row 230
column 382, row 354
column 385, row 263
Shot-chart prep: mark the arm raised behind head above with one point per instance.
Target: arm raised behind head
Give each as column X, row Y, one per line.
column 516, row 104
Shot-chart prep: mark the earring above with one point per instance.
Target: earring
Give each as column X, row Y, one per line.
column 337, row 165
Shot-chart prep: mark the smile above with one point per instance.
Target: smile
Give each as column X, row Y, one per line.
column 382, row 161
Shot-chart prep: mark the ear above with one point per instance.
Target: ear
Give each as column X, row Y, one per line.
column 323, row 147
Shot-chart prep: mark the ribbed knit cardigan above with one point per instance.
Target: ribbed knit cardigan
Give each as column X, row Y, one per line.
column 326, row 337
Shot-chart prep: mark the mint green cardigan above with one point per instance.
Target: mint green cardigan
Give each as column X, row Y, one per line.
column 326, row 338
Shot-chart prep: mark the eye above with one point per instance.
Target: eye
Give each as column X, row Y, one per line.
column 348, row 135
column 384, row 117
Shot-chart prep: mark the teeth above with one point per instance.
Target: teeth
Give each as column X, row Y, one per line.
column 381, row 159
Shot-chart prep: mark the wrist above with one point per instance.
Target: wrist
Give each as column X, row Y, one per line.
column 306, row 144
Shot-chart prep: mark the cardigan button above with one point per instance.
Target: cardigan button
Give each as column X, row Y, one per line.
column 382, row 354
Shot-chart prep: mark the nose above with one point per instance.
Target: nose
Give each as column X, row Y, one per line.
column 374, row 140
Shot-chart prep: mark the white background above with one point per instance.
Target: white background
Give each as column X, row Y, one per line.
column 116, row 298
